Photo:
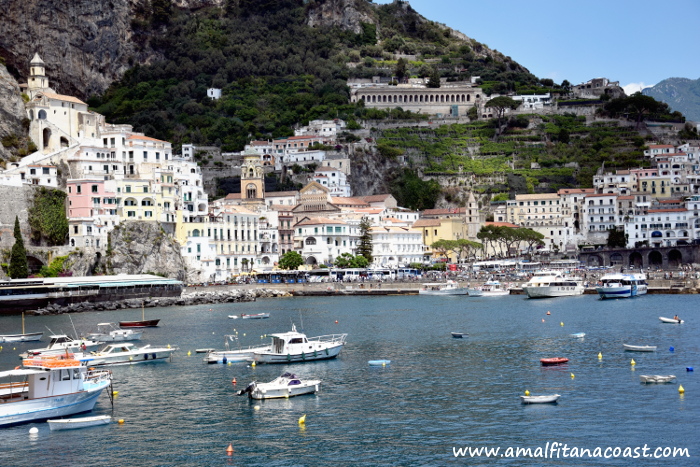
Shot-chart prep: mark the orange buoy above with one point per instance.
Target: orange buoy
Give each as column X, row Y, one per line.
column 336, row 321
column 229, row 449
column 548, row 313
column 17, row 367
column 233, row 381
column 543, row 320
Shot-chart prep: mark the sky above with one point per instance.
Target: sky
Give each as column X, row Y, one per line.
column 638, row 43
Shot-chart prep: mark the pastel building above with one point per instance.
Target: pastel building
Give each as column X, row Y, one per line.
column 93, row 211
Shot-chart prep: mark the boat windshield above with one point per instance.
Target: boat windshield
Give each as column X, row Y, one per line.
column 289, row 375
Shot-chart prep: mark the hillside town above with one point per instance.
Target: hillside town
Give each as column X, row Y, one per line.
column 112, row 174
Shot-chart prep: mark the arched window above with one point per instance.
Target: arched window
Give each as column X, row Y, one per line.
column 251, row 192
column 42, row 114
column 195, row 233
column 311, row 241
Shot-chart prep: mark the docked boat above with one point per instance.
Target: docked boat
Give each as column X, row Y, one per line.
column 75, row 423
column 110, row 332
column 548, row 399
column 287, row 385
column 639, row 348
column 60, row 343
column 253, row 316
column 657, row 378
column 234, row 355
column 294, row 346
column 489, row 289
column 671, row 320
column 127, row 354
column 553, row 361
column 24, row 337
column 48, row 387
column 442, row 288
column 618, row 285
column 545, row 284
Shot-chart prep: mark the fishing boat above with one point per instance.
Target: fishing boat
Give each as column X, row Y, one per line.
column 552, row 398
column 61, row 343
column 48, row 387
column 75, row 423
column 442, row 288
column 24, row 337
column 489, row 289
column 144, row 323
column 459, row 335
column 618, row 285
column 671, row 320
column 287, row 385
column 545, row 284
column 110, row 332
column 293, row 346
column 235, row 355
column 553, row 361
column 253, row 316
column 657, row 378
column 639, row 348
column 127, row 354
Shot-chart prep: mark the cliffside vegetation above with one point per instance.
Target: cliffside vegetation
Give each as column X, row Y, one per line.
column 47, row 217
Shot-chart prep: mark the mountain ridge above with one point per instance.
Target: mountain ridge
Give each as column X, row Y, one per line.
column 681, row 94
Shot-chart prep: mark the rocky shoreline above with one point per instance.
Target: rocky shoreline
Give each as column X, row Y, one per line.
column 186, row 299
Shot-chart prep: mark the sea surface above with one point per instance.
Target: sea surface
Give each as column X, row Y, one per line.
column 438, row 394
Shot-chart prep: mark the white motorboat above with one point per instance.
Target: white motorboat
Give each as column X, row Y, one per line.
column 289, row 347
column 229, row 355
column 489, row 289
column 60, row 343
column 75, row 423
column 48, row 387
column 110, row 332
column 442, row 288
column 250, row 316
column 578, row 335
column 548, row 399
column 671, row 320
column 618, row 285
column 24, row 337
column 544, row 284
column 127, row 354
column 639, row 348
column 657, row 378
column 287, row 385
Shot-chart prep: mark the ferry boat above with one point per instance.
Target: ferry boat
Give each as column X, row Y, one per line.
column 544, row 284
column 442, row 288
column 293, row 346
column 17, row 295
column 618, row 285
column 49, row 387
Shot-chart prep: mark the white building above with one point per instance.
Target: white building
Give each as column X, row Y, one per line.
column 214, row 93
column 333, row 179
column 533, row 101
column 321, row 240
column 394, row 246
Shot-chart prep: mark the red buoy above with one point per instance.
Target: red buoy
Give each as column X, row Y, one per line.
column 233, row 381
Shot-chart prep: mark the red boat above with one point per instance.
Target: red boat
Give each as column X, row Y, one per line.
column 149, row 323
column 553, row 361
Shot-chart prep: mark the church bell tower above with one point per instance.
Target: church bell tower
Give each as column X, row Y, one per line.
column 252, row 180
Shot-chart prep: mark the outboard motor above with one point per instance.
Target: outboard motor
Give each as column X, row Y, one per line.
column 247, row 390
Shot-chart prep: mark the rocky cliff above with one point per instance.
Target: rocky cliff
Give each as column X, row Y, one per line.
column 345, row 14
column 12, row 113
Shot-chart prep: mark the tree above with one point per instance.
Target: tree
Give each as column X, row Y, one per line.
column 464, row 248
column 500, row 105
column 290, row 260
column 364, row 246
column 434, row 81
column 617, row 238
column 641, row 106
column 347, row 260
column 19, row 269
column 531, row 237
column 473, row 114
column 400, row 69
column 444, row 247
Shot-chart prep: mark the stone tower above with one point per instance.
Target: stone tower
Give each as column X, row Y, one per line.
column 252, row 181
column 37, row 76
column 472, row 217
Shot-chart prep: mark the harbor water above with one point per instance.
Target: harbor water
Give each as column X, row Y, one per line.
column 439, row 394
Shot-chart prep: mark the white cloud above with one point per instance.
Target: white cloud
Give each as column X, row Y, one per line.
column 635, row 87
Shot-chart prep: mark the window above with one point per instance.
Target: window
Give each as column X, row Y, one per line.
column 78, row 189
column 94, row 188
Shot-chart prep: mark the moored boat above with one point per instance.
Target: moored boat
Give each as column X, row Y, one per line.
column 229, row 355
column 619, row 285
column 142, row 323
column 639, row 348
column 546, row 284
column 671, row 320
column 657, row 378
column 109, row 332
column 578, row 335
column 282, row 387
column 442, row 288
column 548, row 399
column 61, row 343
column 24, row 337
column 48, row 387
column 127, row 354
column 489, row 289
column 553, row 361
column 75, row 423
column 459, row 335
column 251, row 316
column 293, row 346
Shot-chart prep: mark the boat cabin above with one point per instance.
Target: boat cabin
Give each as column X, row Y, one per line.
column 285, row 342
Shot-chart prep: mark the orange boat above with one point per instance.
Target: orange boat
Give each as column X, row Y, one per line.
column 553, row 361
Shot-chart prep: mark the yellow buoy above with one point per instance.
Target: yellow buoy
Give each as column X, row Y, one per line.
column 189, row 352
column 252, row 364
column 114, row 393
column 572, row 376
column 681, row 390
column 121, row 421
column 527, row 393
column 168, row 345
column 600, row 355
column 302, row 419
column 633, row 363
column 257, row 407
column 561, row 324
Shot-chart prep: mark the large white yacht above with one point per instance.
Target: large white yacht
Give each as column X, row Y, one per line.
column 545, row 284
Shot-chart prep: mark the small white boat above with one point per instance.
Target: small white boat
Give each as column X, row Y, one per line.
column 204, row 350
column 671, row 320
column 639, row 348
column 250, row 316
column 379, row 362
column 287, row 385
column 618, row 285
column 82, row 422
column 489, row 289
column 110, row 332
column 442, row 288
column 578, row 334
column 229, row 355
column 126, row 354
column 24, row 337
column 657, row 378
column 459, row 335
column 290, row 347
column 545, row 284
column 61, row 343
column 552, row 398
